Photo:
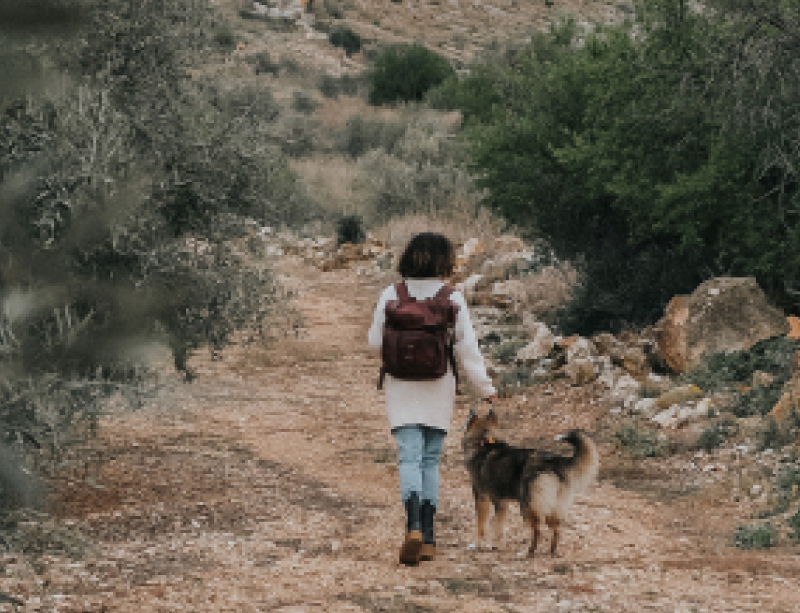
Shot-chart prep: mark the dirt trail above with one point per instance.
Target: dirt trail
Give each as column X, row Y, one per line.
column 269, row 484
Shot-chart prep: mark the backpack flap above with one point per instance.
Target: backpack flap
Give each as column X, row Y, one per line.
column 418, row 337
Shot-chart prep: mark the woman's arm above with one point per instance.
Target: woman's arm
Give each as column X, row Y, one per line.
column 467, row 350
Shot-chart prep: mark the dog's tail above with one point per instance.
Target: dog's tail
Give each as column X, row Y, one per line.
column 585, row 462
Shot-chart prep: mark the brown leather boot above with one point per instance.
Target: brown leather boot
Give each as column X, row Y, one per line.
column 409, row 552
column 428, row 550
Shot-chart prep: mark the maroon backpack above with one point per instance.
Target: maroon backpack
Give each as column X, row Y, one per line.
column 418, row 336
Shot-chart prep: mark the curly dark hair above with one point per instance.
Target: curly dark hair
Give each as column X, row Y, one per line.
column 427, row 255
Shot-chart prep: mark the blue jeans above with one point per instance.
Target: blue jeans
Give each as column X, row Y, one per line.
column 418, row 450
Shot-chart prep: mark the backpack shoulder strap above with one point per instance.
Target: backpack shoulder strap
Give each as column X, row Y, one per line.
column 402, row 292
column 444, row 291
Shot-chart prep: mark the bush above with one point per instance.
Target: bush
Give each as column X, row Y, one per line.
column 755, row 536
column 296, row 139
column 303, row 103
column 346, row 39
column 720, row 370
column 716, row 435
column 477, row 95
column 262, row 63
column 406, row 73
column 361, row 135
column 225, row 38
column 512, row 381
column 793, row 523
column 290, row 65
column 640, row 443
column 331, row 86
column 619, row 149
column 350, row 229
column 776, row 435
column 421, row 175
column 506, row 351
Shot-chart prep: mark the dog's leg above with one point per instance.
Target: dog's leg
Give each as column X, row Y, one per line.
column 482, row 505
column 500, row 508
column 533, row 522
column 553, row 523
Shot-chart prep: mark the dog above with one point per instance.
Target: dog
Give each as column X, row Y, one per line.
column 544, row 484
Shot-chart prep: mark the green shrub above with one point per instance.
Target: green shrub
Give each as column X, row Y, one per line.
column 776, row 435
column 406, row 73
column 350, row 229
column 512, row 381
column 478, row 95
column 719, row 371
column 639, row 443
column 757, row 401
column 716, row 435
column 346, row 39
column 793, row 523
column 505, row 351
column 787, row 483
column 755, row 537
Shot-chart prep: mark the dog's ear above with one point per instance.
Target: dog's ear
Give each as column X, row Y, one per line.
column 492, row 417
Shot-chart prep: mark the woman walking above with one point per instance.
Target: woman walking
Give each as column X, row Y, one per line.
column 423, row 329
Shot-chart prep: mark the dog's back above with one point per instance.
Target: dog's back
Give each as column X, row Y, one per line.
column 497, row 470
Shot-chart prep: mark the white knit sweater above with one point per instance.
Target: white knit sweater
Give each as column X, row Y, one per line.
column 430, row 403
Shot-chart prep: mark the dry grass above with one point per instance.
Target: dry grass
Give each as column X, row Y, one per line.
column 329, row 182
column 460, row 223
column 334, row 112
column 549, row 289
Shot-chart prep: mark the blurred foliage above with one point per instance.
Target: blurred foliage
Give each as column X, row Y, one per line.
column 125, row 187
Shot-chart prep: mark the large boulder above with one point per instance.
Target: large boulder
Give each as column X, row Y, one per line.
column 722, row 315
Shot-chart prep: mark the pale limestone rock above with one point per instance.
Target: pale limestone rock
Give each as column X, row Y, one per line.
column 540, row 346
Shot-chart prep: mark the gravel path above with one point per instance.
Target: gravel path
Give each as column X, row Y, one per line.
column 269, row 484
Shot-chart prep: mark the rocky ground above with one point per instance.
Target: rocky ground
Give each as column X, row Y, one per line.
column 269, row 484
